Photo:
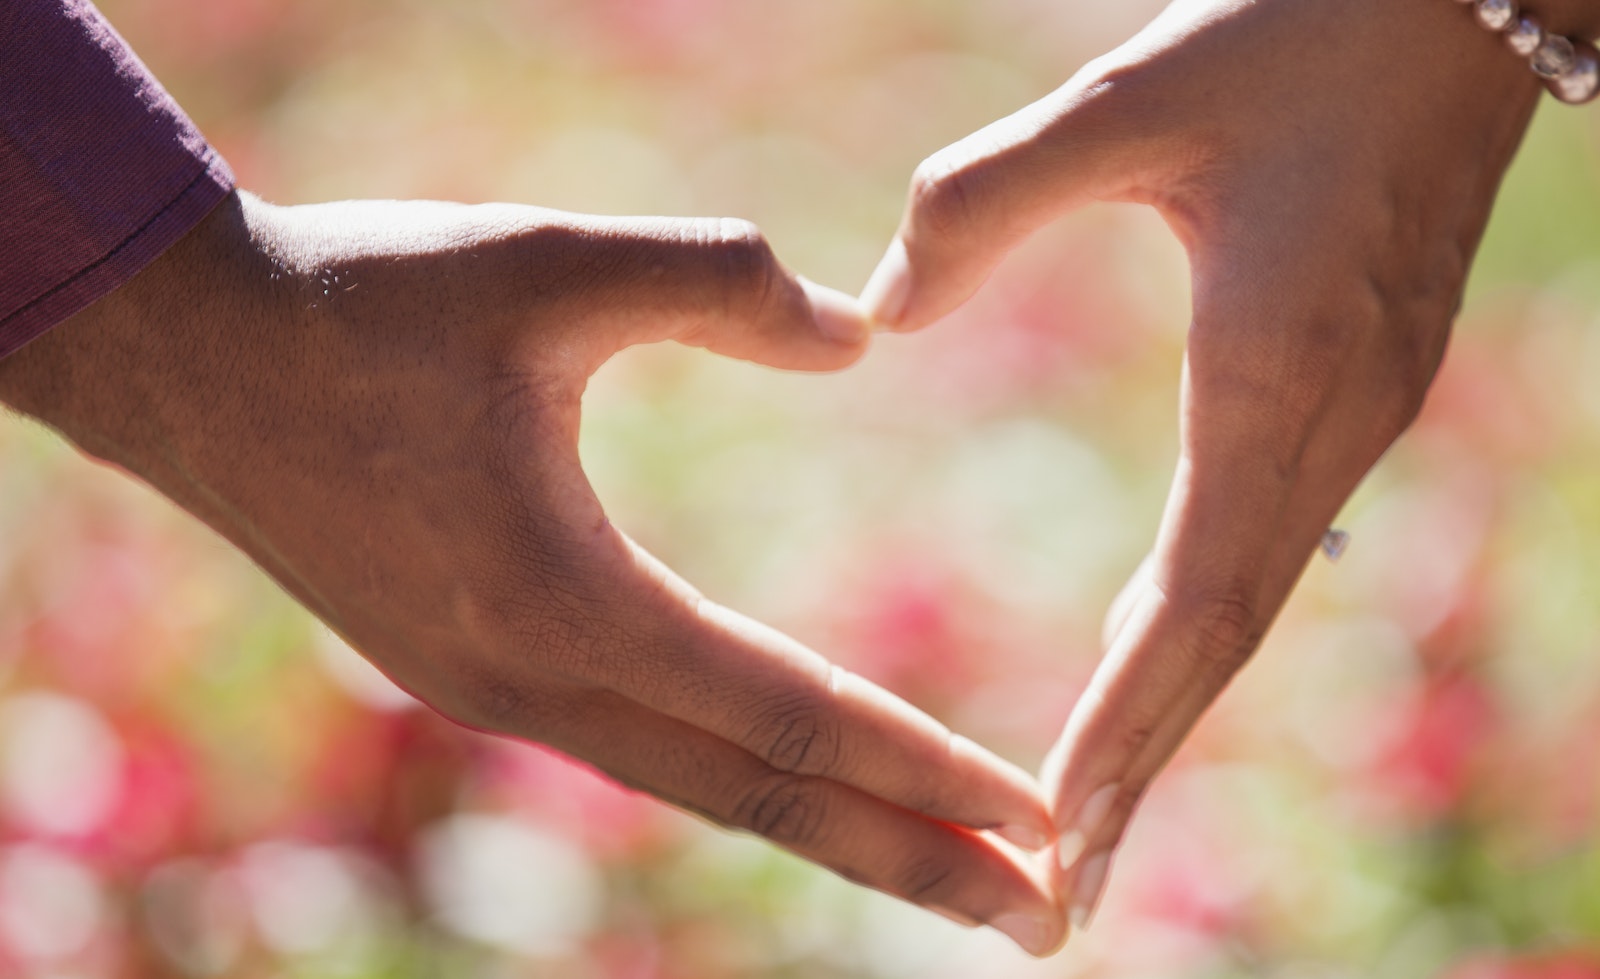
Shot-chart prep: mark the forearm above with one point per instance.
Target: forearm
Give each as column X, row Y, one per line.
column 110, row 377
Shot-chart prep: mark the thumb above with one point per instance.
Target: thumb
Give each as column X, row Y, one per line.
column 715, row 283
column 974, row 200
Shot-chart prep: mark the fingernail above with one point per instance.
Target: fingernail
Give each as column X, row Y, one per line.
column 1031, row 933
column 1070, row 848
column 965, row 921
column 1028, row 839
column 838, row 316
column 887, row 291
column 1091, row 814
column 1086, row 893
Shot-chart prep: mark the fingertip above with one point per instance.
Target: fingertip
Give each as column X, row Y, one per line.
column 1088, row 889
column 1023, row 837
column 1035, row 918
column 839, row 317
column 1069, row 848
column 1023, row 816
column 1036, row 936
column 889, row 289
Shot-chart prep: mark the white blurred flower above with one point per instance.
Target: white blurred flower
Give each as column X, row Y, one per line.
column 61, row 768
column 310, row 900
column 51, row 905
column 195, row 914
column 507, row 884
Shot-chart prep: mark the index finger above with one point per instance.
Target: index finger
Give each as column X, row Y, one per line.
column 1199, row 615
column 960, row 874
column 751, row 685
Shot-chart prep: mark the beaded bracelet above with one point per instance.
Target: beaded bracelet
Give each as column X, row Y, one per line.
column 1570, row 69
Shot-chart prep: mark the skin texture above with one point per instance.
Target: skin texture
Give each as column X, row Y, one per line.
column 1574, row 18
column 1330, row 166
column 379, row 403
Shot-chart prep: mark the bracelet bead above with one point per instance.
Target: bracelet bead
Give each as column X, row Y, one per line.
column 1497, row 15
column 1554, row 57
column 1570, row 69
column 1581, row 82
column 1525, row 36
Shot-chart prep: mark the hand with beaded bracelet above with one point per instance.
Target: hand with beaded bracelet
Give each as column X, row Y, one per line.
column 1330, row 166
column 1569, row 67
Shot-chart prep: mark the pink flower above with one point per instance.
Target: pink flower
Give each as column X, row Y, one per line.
column 1182, row 889
column 383, row 776
column 908, row 630
column 1571, row 964
column 161, row 808
column 1433, row 759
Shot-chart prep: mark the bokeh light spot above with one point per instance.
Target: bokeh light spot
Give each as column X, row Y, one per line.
column 507, row 884
column 61, row 767
column 51, row 905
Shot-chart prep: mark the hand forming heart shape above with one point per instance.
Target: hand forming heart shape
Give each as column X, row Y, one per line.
column 1331, row 185
column 409, row 376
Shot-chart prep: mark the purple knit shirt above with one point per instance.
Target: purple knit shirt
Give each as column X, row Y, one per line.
column 100, row 171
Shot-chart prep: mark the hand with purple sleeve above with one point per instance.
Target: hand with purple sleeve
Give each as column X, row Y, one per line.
column 379, row 403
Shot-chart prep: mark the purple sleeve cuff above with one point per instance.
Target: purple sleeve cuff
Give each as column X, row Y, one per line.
column 100, row 171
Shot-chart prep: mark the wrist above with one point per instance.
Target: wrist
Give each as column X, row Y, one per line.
column 1435, row 59
column 1558, row 52
column 116, row 377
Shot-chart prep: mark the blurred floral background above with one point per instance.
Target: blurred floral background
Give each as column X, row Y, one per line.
column 197, row 780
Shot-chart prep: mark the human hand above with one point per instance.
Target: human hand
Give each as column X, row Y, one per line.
column 1330, row 166
column 379, row 402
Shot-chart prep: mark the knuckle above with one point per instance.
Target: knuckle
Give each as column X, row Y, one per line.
column 798, row 737
column 789, row 810
column 1223, row 629
column 739, row 241
column 743, row 261
column 1134, row 739
column 558, row 247
column 924, row 879
column 942, row 195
